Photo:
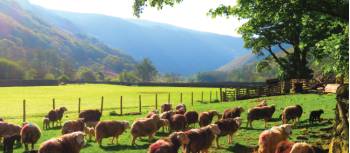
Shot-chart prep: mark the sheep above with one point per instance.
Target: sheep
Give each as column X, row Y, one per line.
column 152, row 113
column 46, row 123
column 145, row 127
column 90, row 115
column 106, row 129
column 8, row 143
column 315, row 116
column 73, row 126
column 91, row 124
column 166, row 115
column 201, row 139
column 228, row 127
column 30, row 134
column 291, row 113
column 233, row 112
column 170, row 144
column 269, row 139
column 177, row 122
column 291, row 147
column 191, row 117
column 180, row 109
column 68, row 143
column 205, row 118
column 165, row 108
column 8, row 129
column 263, row 112
column 56, row 115
column 90, row 132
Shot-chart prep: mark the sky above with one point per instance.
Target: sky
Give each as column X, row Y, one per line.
column 191, row 14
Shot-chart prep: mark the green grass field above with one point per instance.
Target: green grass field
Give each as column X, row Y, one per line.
column 39, row 103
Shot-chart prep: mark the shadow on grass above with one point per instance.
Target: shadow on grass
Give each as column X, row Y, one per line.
column 53, row 128
column 123, row 147
column 255, row 129
column 238, row 148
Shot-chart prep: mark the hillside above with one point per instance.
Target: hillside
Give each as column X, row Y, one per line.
column 41, row 47
column 172, row 49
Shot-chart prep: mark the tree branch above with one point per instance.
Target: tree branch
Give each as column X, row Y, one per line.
column 284, row 50
column 279, row 62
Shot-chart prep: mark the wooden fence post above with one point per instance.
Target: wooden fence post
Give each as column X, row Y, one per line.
column 169, row 98
column 121, row 105
column 156, row 102
column 202, row 96
column 79, row 101
column 140, row 104
column 181, row 97
column 192, row 98
column 102, row 104
column 53, row 104
column 216, row 95
column 24, row 110
column 210, row 96
column 221, row 95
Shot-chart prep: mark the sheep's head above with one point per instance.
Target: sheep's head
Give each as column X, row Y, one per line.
column 63, row 109
column 214, row 112
column 238, row 121
column 155, row 117
column 286, row 128
column 182, row 137
column 241, row 109
column 126, row 124
column 214, row 128
column 79, row 138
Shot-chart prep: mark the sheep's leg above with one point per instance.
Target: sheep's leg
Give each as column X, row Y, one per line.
column 26, row 147
column 116, row 139
column 265, row 124
column 32, row 146
column 133, row 141
column 217, row 142
column 112, row 140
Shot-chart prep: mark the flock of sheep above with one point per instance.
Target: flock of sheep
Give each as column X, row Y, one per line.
column 178, row 122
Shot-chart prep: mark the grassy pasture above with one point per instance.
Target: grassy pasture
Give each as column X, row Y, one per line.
column 39, row 102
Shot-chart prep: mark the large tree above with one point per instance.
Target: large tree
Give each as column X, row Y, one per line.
column 312, row 28
column 146, row 71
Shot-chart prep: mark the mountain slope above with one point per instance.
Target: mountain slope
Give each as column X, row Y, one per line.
column 44, row 48
column 172, row 49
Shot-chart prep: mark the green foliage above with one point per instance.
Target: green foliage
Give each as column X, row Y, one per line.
column 49, row 76
column 63, row 78
column 86, row 74
column 140, row 4
column 146, row 71
column 127, row 77
column 10, row 70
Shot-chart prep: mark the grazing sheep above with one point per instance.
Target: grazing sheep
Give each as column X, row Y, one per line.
column 166, row 115
column 30, row 134
column 106, row 129
column 152, row 113
column 177, row 122
column 165, row 108
column 191, row 117
column 263, row 112
column 315, row 116
column 46, row 123
column 145, row 127
column 56, row 115
column 68, row 143
column 90, row 115
column 180, row 109
column 90, row 132
column 291, row 113
column 228, row 127
column 205, row 118
column 8, row 143
column 170, row 144
column 291, row 147
column 269, row 139
column 201, row 139
column 262, row 103
column 73, row 126
column 8, row 129
column 233, row 112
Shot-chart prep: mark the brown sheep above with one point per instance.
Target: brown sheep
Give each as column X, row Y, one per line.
column 315, row 116
column 180, row 109
column 205, row 118
column 145, row 127
column 46, row 123
column 30, row 134
column 90, row 115
column 8, row 129
column 291, row 147
column 233, row 112
column 68, row 143
column 177, row 122
column 56, row 115
column 8, row 143
column 166, row 115
column 191, row 117
column 263, row 112
column 269, row 139
column 228, row 127
column 170, row 144
column 90, row 132
column 73, row 126
column 152, row 113
column 292, row 113
column 201, row 139
column 165, row 108
column 106, row 129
